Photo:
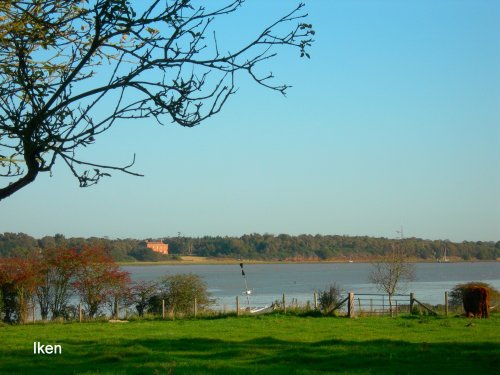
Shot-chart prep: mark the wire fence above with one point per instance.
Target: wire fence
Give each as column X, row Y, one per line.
column 346, row 304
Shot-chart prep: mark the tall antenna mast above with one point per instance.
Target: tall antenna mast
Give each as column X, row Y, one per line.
column 400, row 232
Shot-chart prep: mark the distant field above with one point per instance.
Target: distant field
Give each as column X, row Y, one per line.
column 189, row 260
column 274, row 344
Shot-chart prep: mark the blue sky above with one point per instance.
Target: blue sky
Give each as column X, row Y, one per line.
column 395, row 120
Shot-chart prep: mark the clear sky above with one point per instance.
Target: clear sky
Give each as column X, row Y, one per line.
column 395, row 120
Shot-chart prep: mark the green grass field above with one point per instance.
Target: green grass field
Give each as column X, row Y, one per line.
column 274, row 344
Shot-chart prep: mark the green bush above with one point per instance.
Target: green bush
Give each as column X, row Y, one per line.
column 179, row 292
column 329, row 298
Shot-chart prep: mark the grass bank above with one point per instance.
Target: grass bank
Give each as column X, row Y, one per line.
column 274, row 344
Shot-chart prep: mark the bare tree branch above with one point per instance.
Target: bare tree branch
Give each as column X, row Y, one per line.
column 60, row 59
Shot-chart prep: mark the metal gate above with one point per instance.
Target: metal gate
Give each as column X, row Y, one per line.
column 378, row 304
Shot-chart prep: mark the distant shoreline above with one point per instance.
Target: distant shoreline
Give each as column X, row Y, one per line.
column 194, row 260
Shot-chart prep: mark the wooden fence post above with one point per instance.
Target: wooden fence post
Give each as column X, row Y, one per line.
column 80, row 312
column 446, row 303
column 396, row 306
column 163, row 309
column 315, row 301
column 284, row 303
column 34, row 312
column 350, row 305
column 412, row 301
column 195, row 308
column 237, row 305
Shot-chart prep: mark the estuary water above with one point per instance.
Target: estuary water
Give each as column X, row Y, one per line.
column 299, row 281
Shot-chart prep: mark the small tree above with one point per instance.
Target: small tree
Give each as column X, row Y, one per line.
column 392, row 272
column 58, row 267
column 8, row 303
column 120, row 297
column 7, row 290
column 329, row 298
column 18, row 280
column 180, row 291
column 98, row 280
column 141, row 294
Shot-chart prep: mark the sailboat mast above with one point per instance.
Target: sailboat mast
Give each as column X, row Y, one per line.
column 247, row 291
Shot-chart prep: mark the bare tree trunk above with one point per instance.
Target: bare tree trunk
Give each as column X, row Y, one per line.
column 390, row 305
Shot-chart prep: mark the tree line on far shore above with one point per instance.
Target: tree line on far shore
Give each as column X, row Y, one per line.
column 257, row 247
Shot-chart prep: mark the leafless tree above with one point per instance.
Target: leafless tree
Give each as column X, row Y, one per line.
column 392, row 272
column 60, row 61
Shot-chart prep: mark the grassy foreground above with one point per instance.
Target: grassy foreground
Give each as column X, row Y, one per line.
column 274, row 344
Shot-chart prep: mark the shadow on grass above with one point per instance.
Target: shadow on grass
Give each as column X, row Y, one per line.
column 262, row 355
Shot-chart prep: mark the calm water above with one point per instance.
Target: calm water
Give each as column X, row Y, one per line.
column 269, row 281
